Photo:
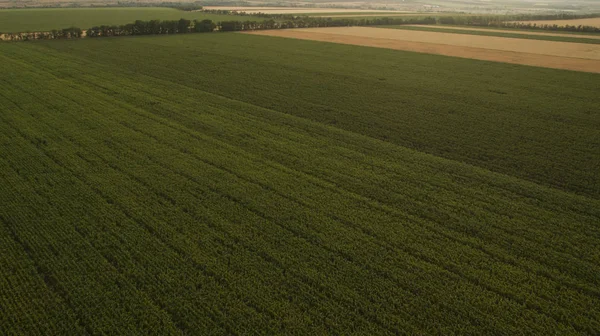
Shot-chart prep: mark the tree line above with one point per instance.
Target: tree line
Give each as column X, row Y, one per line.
column 184, row 26
column 286, row 21
column 505, row 21
column 153, row 27
column 67, row 33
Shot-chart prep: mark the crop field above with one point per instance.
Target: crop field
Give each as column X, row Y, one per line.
column 558, row 55
column 242, row 184
column 591, row 39
column 559, row 49
column 45, row 19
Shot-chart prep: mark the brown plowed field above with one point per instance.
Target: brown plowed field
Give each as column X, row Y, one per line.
column 559, row 55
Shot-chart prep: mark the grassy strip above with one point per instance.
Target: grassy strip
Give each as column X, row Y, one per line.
column 498, row 34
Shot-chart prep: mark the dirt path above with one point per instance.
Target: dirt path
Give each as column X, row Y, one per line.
column 515, row 31
column 586, row 57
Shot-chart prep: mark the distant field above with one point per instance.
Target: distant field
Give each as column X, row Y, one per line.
column 502, row 33
column 354, row 14
column 559, row 55
column 295, row 10
column 239, row 184
column 379, row 15
column 21, row 20
column 593, row 22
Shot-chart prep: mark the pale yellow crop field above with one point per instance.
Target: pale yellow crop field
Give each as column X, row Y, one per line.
column 560, row 55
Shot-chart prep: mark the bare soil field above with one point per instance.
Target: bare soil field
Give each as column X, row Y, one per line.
column 296, row 10
column 524, row 32
column 593, row 22
column 559, row 55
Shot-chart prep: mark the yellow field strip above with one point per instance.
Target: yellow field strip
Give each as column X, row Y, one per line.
column 558, row 55
column 524, row 32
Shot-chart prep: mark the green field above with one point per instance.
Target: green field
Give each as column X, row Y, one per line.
column 45, row 19
column 441, row 29
column 237, row 184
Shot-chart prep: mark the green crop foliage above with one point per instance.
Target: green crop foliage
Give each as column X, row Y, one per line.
column 45, row 19
column 239, row 184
